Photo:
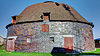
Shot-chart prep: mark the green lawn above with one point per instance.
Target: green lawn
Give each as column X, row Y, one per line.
column 97, row 51
column 4, row 53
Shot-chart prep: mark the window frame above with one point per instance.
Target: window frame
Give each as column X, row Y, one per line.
column 29, row 40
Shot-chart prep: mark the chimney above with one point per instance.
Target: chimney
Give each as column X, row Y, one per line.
column 13, row 19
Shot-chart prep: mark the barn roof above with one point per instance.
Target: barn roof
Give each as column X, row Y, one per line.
column 58, row 11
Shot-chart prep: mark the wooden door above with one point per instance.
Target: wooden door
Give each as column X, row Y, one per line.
column 10, row 44
column 68, row 44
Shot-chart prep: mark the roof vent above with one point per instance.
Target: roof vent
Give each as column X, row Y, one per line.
column 57, row 3
column 66, row 7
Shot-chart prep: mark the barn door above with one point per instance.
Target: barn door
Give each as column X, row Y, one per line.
column 10, row 44
column 68, row 44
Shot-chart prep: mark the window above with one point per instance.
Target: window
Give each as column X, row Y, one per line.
column 99, row 41
column 51, row 39
column 28, row 40
column 45, row 28
column 10, row 38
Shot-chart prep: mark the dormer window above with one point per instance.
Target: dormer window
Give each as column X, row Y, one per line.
column 13, row 19
column 46, row 16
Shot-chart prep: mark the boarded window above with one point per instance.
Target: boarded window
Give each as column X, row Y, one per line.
column 85, row 39
column 51, row 39
column 45, row 28
column 28, row 40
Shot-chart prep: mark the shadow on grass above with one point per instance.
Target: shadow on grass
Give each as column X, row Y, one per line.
column 63, row 50
column 57, row 51
column 75, row 54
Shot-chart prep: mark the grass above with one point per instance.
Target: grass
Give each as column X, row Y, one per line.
column 4, row 53
column 97, row 51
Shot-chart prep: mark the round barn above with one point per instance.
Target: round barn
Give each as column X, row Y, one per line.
column 50, row 27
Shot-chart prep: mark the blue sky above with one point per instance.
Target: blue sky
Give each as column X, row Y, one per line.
column 89, row 9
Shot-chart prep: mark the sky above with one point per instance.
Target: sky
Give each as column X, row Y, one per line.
column 89, row 9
